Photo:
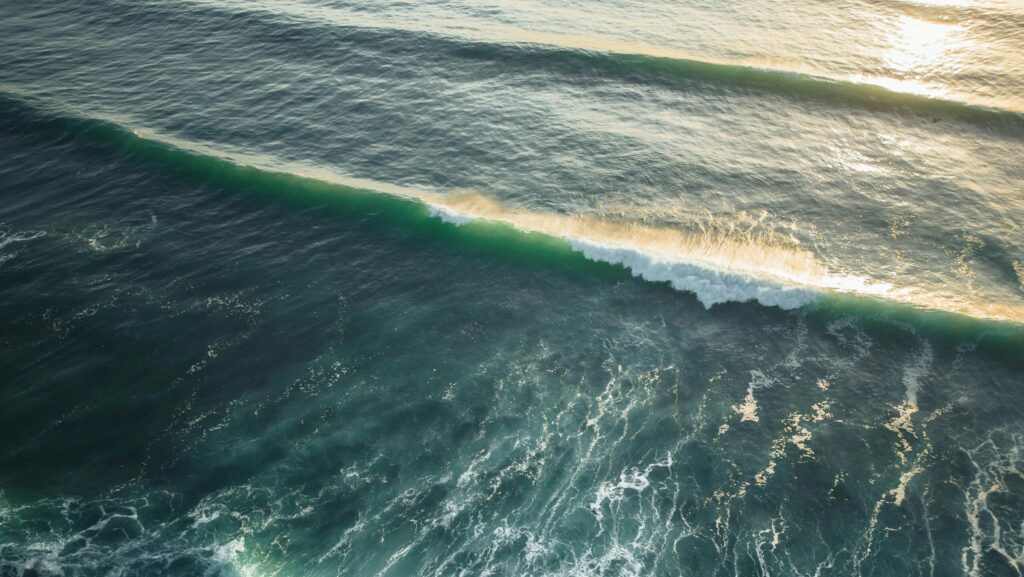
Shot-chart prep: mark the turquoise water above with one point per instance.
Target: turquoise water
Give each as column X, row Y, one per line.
column 559, row 288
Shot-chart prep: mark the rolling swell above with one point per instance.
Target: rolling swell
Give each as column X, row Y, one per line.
column 572, row 60
column 679, row 72
column 992, row 17
column 715, row 270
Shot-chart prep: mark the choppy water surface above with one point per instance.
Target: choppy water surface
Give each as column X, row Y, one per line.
column 528, row 288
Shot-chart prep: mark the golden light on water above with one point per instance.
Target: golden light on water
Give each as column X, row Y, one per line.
column 917, row 49
column 946, row 2
column 917, row 44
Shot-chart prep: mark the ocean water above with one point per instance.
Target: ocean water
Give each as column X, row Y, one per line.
column 552, row 288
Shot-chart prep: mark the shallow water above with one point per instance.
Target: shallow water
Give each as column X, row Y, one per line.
column 565, row 288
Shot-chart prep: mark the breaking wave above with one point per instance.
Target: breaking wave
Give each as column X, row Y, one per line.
column 715, row 267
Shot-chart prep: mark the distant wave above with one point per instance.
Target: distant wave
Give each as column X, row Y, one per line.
column 991, row 16
column 575, row 57
column 716, row 268
column 665, row 68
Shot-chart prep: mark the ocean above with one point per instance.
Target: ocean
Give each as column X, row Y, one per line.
column 511, row 288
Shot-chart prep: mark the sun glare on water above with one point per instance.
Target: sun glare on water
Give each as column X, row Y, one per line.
column 946, row 2
column 917, row 49
column 920, row 45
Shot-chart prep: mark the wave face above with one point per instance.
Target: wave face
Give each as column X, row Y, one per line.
column 491, row 288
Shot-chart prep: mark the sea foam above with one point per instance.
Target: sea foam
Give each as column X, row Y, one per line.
column 714, row 270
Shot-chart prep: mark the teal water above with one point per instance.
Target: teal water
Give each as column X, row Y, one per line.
column 560, row 288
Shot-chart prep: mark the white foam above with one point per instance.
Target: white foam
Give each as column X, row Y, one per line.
column 450, row 216
column 748, row 410
column 6, row 239
column 915, row 371
column 696, row 274
column 710, row 286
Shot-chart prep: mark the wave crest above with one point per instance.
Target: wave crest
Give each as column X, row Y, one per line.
column 716, row 269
